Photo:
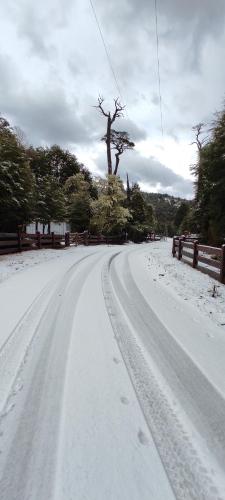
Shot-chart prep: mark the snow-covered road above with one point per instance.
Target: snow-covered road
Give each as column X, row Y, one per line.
column 112, row 386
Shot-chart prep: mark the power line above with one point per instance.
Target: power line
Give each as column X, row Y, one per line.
column 158, row 64
column 106, row 51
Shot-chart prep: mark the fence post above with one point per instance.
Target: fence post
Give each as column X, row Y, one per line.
column 19, row 240
column 174, row 247
column 222, row 269
column 195, row 254
column 38, row 234
column 53, row 239
column 85, row 233
column 66, row 240
column 180, row 249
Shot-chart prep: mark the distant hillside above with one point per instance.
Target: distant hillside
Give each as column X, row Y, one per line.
column 165, row 209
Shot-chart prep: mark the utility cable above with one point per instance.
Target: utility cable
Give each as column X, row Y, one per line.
column 158, row 65
column 106, row 51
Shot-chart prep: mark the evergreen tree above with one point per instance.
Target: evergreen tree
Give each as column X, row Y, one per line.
column 52, row 167
column 180, row 215
column 54, row 161
column 17, row 183
column 142, row 215
column 109, row 215
column 77, row 190
column 215, row 181
column 210, row 185
column 50, row 201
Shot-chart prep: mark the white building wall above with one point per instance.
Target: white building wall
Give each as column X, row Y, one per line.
column 56, row 227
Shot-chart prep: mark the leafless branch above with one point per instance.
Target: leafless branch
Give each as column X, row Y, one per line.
column 100, row 107
column 198, row 131
column 118, row 110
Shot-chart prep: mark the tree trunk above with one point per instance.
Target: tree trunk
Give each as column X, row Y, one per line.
column 128, row 189
column 108, row 144
column 117, row 155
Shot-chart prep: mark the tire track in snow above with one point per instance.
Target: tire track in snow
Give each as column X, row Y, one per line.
column 200, row 398
column 189, row 476
column 39, row 298
column 31, row 417
column 14, row 350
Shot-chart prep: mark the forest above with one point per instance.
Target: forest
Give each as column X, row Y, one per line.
column 45, row 184
column 207, row 216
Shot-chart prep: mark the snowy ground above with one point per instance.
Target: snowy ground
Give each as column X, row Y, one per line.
column 188, row 284
column 112, row 376
column 11, row 264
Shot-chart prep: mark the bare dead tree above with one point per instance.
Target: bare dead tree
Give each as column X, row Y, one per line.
column 198, row 129
column 111, row 117
column 196, row 168
column 200, row 142
column 120, row 142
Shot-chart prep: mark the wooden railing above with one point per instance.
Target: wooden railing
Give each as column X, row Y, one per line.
column 90, row 239
column 209, row 260
column 18, row 242
column 151, row 236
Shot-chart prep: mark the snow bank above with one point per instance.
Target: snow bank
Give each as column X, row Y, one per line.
column 188, row 284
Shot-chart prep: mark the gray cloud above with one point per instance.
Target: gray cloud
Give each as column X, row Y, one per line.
column 151, row 173
column 37, row 22
column 53, row 66
column 46, row 115
column 135, row 132
column 53, row 119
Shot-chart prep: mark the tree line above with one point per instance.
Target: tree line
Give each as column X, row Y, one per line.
column 45, row 184
column 206, row 215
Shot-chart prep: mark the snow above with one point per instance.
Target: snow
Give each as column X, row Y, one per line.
column 185, row 283
column 112, row 376
column 107, row 440
column 18, row 262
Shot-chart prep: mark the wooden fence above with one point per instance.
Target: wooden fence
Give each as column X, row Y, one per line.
column 90, row 239
column 209, row 260
column 152, row 237
column 18, row 242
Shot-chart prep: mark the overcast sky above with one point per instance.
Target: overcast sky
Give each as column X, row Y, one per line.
column 53, row 67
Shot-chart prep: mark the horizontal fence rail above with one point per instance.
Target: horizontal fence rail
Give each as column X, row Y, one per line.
column 207, row 259
column 90, row 239
column 20, row 241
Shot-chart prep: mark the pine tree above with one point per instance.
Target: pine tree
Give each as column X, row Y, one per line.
column 17, row 183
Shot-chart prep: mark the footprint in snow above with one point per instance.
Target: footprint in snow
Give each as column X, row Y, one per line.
column 117, row 361
column 124, row 400
column 142, row 438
